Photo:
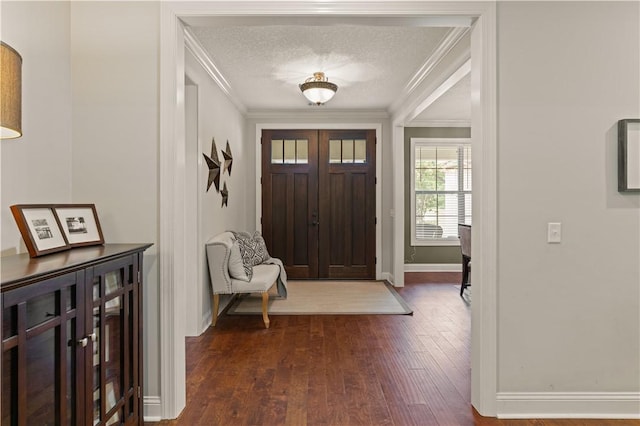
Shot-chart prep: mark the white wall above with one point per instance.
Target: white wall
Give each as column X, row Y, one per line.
column 114, row 50
column 568, row 314
column 36, row 168
column 217, row 117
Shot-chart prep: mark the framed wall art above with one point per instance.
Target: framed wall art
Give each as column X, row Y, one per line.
column 629, row 155
column 40, row 228
column 80, row 224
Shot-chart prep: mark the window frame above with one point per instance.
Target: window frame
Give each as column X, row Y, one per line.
column 417, row 142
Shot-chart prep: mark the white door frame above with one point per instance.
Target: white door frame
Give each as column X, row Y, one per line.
column 172, row 177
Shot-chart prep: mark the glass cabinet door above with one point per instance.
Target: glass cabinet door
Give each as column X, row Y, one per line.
column 114, row 374
column 41, row 344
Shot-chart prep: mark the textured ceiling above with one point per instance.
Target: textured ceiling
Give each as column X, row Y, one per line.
column 371, row 64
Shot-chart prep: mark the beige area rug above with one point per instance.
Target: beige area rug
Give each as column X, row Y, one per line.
column 327, row 298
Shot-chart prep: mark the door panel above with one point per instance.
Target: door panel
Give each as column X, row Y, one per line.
column 347, row 204
column 290, row 199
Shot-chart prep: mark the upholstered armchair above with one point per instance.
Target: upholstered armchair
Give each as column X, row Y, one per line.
column 231, row 275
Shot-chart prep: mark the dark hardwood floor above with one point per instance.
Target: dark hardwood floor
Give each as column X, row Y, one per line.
column 343, row 370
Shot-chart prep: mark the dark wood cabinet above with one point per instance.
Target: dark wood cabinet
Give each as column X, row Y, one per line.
column 72, row 337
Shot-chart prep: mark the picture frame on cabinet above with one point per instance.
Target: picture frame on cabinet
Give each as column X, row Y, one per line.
column 40, row 228
column 80, row 224
column 629, row 155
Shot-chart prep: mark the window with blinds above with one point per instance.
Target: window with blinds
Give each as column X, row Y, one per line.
column 440, row 189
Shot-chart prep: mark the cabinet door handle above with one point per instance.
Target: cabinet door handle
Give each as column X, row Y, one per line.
column 85, row 340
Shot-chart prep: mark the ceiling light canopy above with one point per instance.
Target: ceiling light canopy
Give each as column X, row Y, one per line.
column 318, row 89
column 10, row 92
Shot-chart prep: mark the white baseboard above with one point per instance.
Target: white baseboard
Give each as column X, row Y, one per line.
column 206, row 322
column 570, row 405
column 433, row 267
column 388, row 276
column 152, row 408
column 225, row 300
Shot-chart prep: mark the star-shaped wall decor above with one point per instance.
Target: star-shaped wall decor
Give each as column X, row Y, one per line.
column 228, row 158
column 225, row 195
column 213, row 163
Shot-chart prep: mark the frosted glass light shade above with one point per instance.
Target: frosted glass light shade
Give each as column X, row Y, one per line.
column 10, row 92
column 318, row 89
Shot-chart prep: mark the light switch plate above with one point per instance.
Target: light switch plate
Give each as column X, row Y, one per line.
column 554, row 232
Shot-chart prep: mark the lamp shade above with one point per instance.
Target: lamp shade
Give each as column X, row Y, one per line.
column 10, row 92
column 318, row 89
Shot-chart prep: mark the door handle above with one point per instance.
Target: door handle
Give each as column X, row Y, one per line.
column 314, row 219
column 85, row 340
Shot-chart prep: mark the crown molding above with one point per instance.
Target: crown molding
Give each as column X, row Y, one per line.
column 448, row 42
column 317, row 114
column 467, row 10
column 197, row 50
column 414, row 110
column 328, row 20
column 439, row 123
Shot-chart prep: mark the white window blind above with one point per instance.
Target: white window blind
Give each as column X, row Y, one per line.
column 440, row 189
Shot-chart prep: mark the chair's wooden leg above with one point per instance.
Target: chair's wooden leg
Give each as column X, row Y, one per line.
column 214, row 309
column 265, row 302
column 465, row 275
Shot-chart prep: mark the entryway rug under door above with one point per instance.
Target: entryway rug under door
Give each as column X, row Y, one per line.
column 327, row 298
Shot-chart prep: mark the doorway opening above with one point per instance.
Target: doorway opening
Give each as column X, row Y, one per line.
column 173, row 222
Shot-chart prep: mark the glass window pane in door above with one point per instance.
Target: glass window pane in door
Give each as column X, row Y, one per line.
column 113, row 349
column 289, row 151
column 71, row 298
column 96, row 288
column 335, row 151
column 112, row 281
column 360, row 151
column 9, row 321
column 277, row 149
column 71, row 373
column 347, row 151
column 115, row 417
column 97, row 397
column 41, row 379
column 41, row 308
column 9, row 384
column 302, row 151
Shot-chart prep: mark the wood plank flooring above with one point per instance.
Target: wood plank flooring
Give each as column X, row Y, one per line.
column 343, row 370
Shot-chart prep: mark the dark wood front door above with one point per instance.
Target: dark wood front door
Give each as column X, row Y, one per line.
column 318, row 201
column 290, row 199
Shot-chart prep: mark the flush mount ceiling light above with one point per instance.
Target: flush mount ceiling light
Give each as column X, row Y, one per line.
column 318, row 89
column 10, row 92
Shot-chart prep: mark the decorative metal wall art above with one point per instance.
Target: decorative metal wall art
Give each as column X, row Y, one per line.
column 228, row 158
column 225, row 195
column 213, row 163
